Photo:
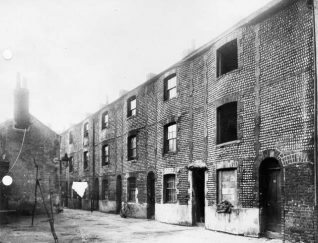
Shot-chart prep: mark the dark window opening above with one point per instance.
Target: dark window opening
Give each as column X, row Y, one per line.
column 227, row 59
column 169, row 188
column 71, row 164
column 170, row 87
column 131, row 106
column 131, row 189
column 227, row 122
column 170, row 138
column 85, row 160
column 86, row 130
column 132, row 147
column 105, row 120
column 105, row 154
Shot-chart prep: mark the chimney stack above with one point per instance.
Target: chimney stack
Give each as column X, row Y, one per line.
column 21, row 104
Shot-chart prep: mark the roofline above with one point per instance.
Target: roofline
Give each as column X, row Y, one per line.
column 258, row 15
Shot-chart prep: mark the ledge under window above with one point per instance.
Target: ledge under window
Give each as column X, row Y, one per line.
column 228, row 143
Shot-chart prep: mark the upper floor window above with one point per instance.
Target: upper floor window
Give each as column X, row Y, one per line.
column 170, row 135
column 169, row 184
column 227, row 122
column 227, row 180
column 85, row 159
column 227, row 59
column 170, row 87
column 70, row 138
column 105, row 120
column 86, row 130
column 71, row 164
column 105, row 155
column 132, row 147
column 131, row 189
column 131, row 106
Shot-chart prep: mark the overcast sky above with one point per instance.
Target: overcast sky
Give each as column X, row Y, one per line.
column 76, row 53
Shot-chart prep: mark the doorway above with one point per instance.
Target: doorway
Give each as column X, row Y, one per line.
column 96, row 194
column 198, row 179
column 118, row 194
column 151, row 195
column 270, row 198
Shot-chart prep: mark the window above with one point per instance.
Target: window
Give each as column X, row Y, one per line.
column 105, row 189
column 227, row 122
column 227, row 58
column 86, row 130
column 131, row 189
column 71, row 164
column 227, row 186
column 105, row 154
column 105, row 120
column 169, row 188
column 85, row 160
column 131, row 106
column 170, row 143
column 70, row 138
column 170, row 86
column 132, row 147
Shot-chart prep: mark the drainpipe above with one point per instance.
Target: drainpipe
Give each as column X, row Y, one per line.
column 93, row 158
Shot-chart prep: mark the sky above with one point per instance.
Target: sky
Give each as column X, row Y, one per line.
column 77, row 55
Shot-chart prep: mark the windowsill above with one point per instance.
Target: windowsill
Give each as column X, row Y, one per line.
column 130, row 117
column 167, row 100
column 228, row 73
column 132, row 160
column 105, row 165
column 169, row 202
column 170, row 153
column 86, row 169
column 228, row 143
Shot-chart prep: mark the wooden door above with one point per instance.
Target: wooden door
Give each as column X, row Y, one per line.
column 118, row 194
column 272, row 204
column 151, row 195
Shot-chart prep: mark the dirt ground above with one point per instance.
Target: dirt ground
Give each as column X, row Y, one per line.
column 84, row 226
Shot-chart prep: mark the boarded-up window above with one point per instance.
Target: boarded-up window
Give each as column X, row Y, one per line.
column 227, row 180
column 170, row 188
column 131, row 189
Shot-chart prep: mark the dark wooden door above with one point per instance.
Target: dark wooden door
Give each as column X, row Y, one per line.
column 151, row 195
column 198, row 196
column 272, row 204
column 118, row 194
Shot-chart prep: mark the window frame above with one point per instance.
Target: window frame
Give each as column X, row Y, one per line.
column 105, row 124
column 220, row 187
column 221, row 55
column 85, row 159
column 169, row 194
column 105, row 156
column 224, row 124
column 131, row 149
column 131, row 189
column 85, row 130
column 167, row 139
column 131, row 112
column 167, row 90
column 105, row 189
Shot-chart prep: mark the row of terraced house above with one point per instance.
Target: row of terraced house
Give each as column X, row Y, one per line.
column 226, row 137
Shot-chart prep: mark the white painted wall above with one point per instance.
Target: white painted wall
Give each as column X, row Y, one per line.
column 241, row 221
column 174, row 213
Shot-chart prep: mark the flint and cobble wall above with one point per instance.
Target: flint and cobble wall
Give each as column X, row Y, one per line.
column 273, row 88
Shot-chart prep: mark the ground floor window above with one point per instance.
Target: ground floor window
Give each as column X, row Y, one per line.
column 131, row 189
column 105, row 189
column 169, row 182
column 227, row 189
